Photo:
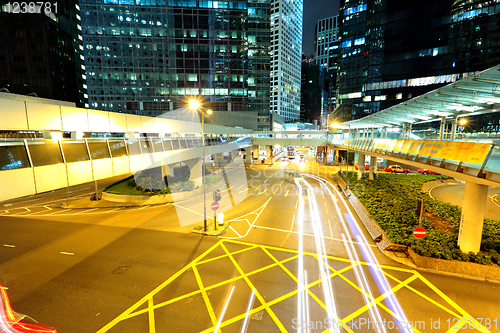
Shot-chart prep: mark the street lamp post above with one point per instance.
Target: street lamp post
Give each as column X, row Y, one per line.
column 195, row 105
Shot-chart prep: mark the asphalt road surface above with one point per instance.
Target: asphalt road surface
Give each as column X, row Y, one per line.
column 294, row 259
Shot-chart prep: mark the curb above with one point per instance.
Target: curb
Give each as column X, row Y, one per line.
column 390, row 255
column 210, row 231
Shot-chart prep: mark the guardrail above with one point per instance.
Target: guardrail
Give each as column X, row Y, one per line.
column 31, row 166
column 476, row 159
column 376, row 232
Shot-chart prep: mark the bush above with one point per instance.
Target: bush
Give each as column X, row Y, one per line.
column 392, row 199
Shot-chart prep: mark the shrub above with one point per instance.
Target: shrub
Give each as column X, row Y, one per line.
column 392, row 199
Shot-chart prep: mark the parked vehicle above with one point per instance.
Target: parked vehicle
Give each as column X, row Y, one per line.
column 428, row 172
column 367, row 167
column 396, row 168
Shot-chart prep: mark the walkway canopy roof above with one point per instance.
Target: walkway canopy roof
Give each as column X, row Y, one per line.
column 476, row 94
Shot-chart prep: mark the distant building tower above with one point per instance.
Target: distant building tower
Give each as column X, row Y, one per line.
column 326, row 45
column 150, row 57
column 314, row 93
column 42, row 50
column 392, row 51
column 286, row 53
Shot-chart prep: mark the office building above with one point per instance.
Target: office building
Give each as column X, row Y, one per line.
column 326, row 45
column 392, row 50
column 42, row 51
column 151, row 57
column 286, row 55
column 314, row 93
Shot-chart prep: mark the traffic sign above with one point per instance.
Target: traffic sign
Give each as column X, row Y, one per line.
column 419, row 232
column 215, row 205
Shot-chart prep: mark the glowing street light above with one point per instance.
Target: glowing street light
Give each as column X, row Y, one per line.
column 462, row 121
column 196, row 106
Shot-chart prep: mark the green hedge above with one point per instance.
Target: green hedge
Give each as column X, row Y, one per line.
column 392, row 199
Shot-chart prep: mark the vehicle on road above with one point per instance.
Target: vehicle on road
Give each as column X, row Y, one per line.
column 396, row 168
column 291, row 152
column 13, row 322
column 367, row 167
column 428, row 172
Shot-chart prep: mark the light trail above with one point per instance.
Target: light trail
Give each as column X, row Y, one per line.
column 319, row 241
column 244, row 327
column 369, row 257
column 224, row 311
column 300, row 270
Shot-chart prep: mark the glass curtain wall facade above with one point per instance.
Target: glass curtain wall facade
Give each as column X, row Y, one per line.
column 286, row 55
column 326, row 44
column 42, row 50
column 149, row 57
column 394, row 50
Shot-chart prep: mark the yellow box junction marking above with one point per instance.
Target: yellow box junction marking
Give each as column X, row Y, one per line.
column 266, row 305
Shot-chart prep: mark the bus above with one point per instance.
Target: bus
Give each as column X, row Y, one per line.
column 291, row 152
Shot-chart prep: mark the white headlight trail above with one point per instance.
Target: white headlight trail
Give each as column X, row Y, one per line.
column 322, row 259
column 369, row 257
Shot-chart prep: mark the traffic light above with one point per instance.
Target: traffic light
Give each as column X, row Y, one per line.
column 216, row 195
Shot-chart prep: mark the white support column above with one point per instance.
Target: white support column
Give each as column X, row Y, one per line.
column 441, row 129
column 195, row 168
column 361, row 165
column 403, row 131
column 408, row 131
column 372, row 131
column 166, row 170
column 373, row 167
column 471, row 224
column 454, row 128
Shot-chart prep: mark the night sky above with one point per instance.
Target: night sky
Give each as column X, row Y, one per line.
column 315, row 10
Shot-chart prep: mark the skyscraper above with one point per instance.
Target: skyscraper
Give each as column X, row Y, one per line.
column 42, row 50
column 160, row 53
column 149, row 57
column 393, row 50
column 326, row 45
column 286, row 55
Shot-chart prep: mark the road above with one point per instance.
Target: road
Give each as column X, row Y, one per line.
column 454, row 194
column 137, row 270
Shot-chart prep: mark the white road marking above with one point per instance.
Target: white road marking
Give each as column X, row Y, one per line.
column 8, row 245
column 68, row 253
column 60, row 211
column 236, row 232
column 85, row 211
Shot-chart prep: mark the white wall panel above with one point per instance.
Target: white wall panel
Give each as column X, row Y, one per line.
column 44, row 116
column 79, row 172
column 74, row 119
column 133, row 123
column 117, row 122
column 50, row 177
column 98, row 121
column 147, row 124
column 136, row 163
column 103, row 168
column 13, row 115
column 121, row 166
column 16, row 183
